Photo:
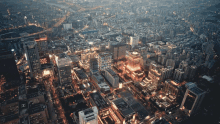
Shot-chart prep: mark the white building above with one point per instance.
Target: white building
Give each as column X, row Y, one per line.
column 67, row 26
column 112, row 77
column 104, row 61
column 88, row 116
column 134, row 41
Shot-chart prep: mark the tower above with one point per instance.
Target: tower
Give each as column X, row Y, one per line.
column 33, row 58
column 93, row 65
column 64, row 68
column 104, row 61
column 134, row 41
column 192, row 99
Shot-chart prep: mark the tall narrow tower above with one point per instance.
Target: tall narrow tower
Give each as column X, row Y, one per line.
column 33, row 58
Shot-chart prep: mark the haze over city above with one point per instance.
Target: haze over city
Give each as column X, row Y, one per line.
column 109, row 61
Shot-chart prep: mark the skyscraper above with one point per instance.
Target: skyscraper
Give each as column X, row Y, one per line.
column 33, row 58
column 112, row 77
column 134, row 41
column 93, row 65
column 42, row 46
column 64, row 68
column 192, row 99
column 166, row 73
column 88, row 116
column 104, row 61
column 178, row 74
column 118, row 50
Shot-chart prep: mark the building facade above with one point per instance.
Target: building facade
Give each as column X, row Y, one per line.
column 112, row 78
column 64, row 68
column 104, row 61
column 88, row 116
column 33, row 58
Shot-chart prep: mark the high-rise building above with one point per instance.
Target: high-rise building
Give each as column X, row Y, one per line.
column 178, row 74
column 135, row 61
column 104, row 61
column 64, row 68
column 8, row 66
column 33, row 58
column 88, row 116
column 134, row 66
column 154, row 73
column 42, row 46
column 134, row 41
column 85, row 59
column 192, row 71
column 118, row 50
column 112, row 78
column 166, row 73
column 170, row 62
column 192, row 99
column 93, row 65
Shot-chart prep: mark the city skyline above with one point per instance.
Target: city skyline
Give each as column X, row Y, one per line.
column 109, row 61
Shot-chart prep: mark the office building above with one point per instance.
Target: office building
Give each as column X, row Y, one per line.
column 192, row 71
column 178, row 74
column 80, row 75
column 170, row 62
column 135, row 61
column 166, row 73
column 93, row 66
column 64, row 68
column 88, row 116
column 122, row 110
column 154, row 73
column 85, row 58
column 33, row 58
column 100, row 83
column 42, row 46
column 112, row 78
column 171, row 89
column 134, row 41
column 104, row 61
column 97, row 100
column 118, row 50
column 192, row 99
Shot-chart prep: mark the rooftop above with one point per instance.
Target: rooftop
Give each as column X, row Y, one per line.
column 111, row 72
column 123, row 107
column 99, row 101
column 36, row 108
column 98, row 77
column 105, row 54
column 8, row 118
column 207, row 78
column 81, row 74
column 64, row 60
column 197, row 90
column 134, row 104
